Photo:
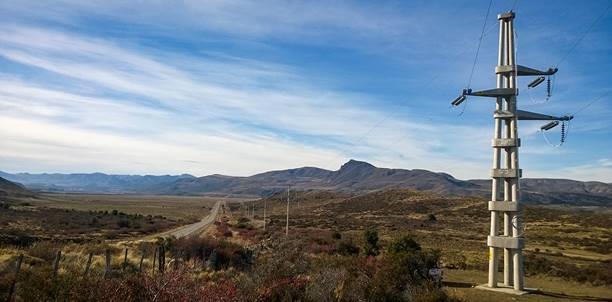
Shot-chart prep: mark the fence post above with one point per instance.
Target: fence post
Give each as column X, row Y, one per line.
column 88, row 265
column 125, row 258
column 141, row 260
column 162, row 259
column 107, row 270
column 14, row 283
column 154, row 259
column 58, row 256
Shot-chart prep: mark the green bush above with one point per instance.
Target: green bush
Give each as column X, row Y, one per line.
column 371, row 247
column 404, row 244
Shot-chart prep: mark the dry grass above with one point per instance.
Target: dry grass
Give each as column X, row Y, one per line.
column 575, row 237
column 460, row 282
column 176, row 207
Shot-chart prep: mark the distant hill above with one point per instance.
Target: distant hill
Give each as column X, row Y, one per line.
column 353, row 177
column 359, row 177
column 91, row 183
column 9, row 189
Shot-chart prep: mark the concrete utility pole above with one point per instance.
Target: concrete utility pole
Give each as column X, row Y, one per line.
column 505, row 180
column 287, row 225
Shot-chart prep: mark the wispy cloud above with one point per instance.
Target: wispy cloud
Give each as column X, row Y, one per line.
column 598, row 170
column 173, row 105
column 149, row 90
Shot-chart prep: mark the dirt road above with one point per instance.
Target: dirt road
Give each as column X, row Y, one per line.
column 194, row 228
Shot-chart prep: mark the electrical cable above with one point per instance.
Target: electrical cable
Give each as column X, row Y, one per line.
column 534, row 101
column 482, row 34
column 514, row 5
column 484, row 26
column 591, row 102
column 564, row 134
column 584, row 35
column 565, row 128
column 485, row 31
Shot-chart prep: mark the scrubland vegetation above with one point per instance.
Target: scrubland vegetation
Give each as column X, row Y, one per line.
column 219, row 270
column 374, row 247
column 22, row 224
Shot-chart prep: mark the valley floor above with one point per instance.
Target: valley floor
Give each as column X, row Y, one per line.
column 568, row 255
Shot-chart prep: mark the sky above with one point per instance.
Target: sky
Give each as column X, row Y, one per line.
column 243, row 87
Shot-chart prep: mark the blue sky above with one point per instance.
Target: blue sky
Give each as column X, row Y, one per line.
column 239, row 87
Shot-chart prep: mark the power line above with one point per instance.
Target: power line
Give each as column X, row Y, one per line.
column 484, row 26
column 591, row 102
column 484, row 33
column 584, row 34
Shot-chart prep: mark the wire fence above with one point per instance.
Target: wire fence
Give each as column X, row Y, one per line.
column 149, row 261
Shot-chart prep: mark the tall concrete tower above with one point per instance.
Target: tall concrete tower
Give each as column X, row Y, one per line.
column 504, row 206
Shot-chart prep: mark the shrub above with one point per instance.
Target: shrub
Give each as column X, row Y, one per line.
column 402, row 276
column 123, row 223
column 45, row 250
column 347, row 248
column 404, row 244
column 371, row 247
column 219, row 253
column 223, row 229
column 171, row 286
column 337, row 235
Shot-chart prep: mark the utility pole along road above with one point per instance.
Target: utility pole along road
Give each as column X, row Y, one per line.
column 194, row 228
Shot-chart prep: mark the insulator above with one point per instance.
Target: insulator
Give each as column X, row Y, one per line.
column 536, row 82
column 549, row 126
column 563, row 132
column 548, row 89
column 458, row 100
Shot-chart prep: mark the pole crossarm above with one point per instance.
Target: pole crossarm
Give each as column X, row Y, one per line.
column 492, row 93
column 523, row 70
column 526, row 71
column 532, row 116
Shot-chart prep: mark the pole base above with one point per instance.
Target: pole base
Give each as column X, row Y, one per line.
column 501, row 288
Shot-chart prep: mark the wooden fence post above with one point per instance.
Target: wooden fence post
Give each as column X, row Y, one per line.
column 56, row 263
column 154, row 259
column 88, row 265
column 125, row 259
column 162, row 259
column 14, row 283
column 141, row 260
column 107, row 270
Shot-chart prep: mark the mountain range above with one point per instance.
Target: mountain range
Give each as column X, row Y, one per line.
column 9, row 189
column 352, row 177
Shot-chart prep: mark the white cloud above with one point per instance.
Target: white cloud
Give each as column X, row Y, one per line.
column 121, row 107
column 162, row 102
column 599, row 170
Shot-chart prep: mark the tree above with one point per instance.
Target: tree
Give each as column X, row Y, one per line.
column 404, row 244
column 371, row 242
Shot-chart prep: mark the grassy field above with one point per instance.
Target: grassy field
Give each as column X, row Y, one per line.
column 83, row 217
column 568, row 254
column 460, row 284
column 175, row 207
